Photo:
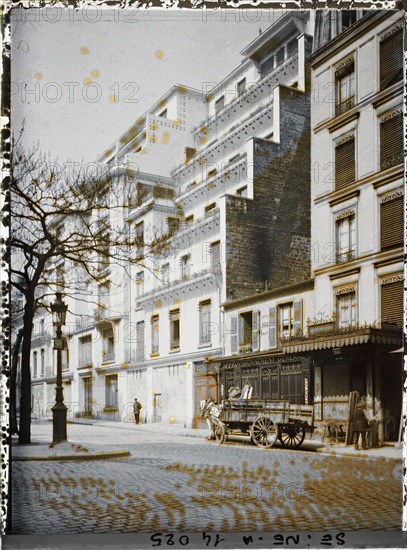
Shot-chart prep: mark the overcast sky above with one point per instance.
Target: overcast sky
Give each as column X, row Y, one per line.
column 91, row 80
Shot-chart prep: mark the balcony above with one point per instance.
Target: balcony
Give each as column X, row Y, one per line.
column 344, row 106
column 245, row 348
column 347, row 256
column 259, row 92
column 41, row 339
column 108, row 357
column 104, row 313
column 204, row 277
column 85, row 362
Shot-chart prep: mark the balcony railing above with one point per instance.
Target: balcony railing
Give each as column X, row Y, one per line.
column 175, row 344
column 345, row 256
column 41, row 338
column 108, row 356
column 344, row 105
column 85, row 362
column 245, row 348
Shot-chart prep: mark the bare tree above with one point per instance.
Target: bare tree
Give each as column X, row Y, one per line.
column 66, row 213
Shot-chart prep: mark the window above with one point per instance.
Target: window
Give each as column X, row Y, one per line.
column 42, row 362
column 242, row 192
column 249, row 331
column 185, row 266
column 112, row 401
column 391, row 220
column 241, row 87
column 391, row 59
column 140, row 341
column 348, row 18
column 345, row 86
column 173, row 225
column 205, row 322
column 391, row 139
column 42, row 326
column 210, row 208
column 219, row 104
column 344, row 162
column 189, row 219
column 35, row 364
column 280, row 56
column 392, row 299
column 292, row 46
column 108, row 344
column 346, row 310
column 190, row 152
column 140, row 239
column 345, row 236
column 140, row 284
column 286, row 320
column 65, row 356
column 87, row 390
column 163, row 114
column 234, row 158
column 85, row 351
column 165, row 274
column 174, row 329
column 215, row 257
column 155, row 334
column 246, row 329
column 103, row 299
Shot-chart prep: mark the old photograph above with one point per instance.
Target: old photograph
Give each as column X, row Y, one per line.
column 206, row 221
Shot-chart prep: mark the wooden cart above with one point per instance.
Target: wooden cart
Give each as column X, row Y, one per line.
column 265, row 422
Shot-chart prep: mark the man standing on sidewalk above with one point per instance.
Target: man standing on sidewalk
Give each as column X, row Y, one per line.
column 136, row 409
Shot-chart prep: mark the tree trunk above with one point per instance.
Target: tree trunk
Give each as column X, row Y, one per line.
column 25, row 400
column 13, row 381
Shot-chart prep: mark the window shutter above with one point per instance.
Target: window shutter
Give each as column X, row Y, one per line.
column 391, row 59
column 297, row 317
column 392, row 302
column 391, row 223
column 272, row 327
column 233, row 335
column 256, row 331
column 391, row 141
column 345, row 163
column 240, row 329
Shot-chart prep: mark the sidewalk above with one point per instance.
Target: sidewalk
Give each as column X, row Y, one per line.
column 313, row 444
column 40, row 448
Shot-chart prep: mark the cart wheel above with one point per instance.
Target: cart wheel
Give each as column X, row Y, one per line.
column 220, row 431
column 292, row 437
column 264, row 432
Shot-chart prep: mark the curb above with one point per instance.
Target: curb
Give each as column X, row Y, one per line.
column 94, row 456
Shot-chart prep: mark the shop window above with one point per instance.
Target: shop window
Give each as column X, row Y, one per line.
column 175, row 330
column 391, row 139
column 345, row 171
column 391, row 59
column 345, row 237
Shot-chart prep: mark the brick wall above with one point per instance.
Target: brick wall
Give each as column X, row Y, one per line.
column 268, row 238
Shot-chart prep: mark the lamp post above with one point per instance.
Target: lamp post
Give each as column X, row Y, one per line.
column 59, row 309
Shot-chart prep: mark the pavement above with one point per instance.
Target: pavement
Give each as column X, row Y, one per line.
column 173, row 482
column 40, row 450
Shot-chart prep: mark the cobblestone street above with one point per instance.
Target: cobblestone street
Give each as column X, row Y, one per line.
column 172, row 482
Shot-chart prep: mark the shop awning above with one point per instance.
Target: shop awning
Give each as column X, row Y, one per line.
column 342, row 339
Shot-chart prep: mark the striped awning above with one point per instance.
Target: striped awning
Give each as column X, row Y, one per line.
column 357, row 337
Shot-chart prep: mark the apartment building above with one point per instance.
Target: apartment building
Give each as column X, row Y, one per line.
column 346, row 328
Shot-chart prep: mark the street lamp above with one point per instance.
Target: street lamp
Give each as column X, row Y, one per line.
column 59, row 309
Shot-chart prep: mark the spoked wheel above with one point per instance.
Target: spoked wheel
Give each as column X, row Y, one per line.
column 264, row 432
column 292, row 437
column 220, row 431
